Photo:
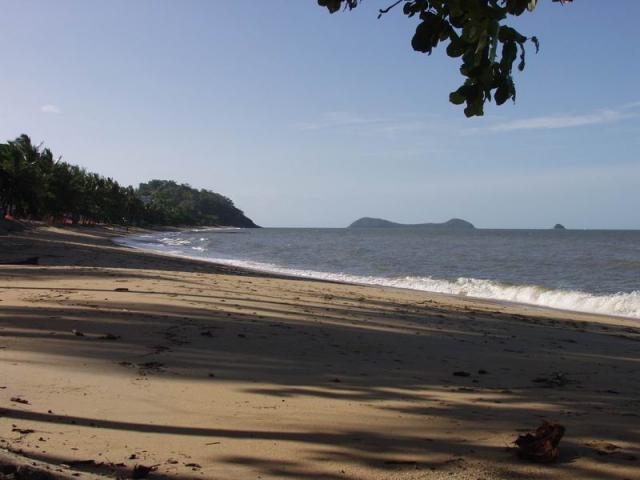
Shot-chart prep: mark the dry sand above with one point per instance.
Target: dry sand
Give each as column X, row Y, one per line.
column 220, row 373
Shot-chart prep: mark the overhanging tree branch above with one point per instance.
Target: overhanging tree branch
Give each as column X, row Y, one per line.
column 475, row 32
column 382, row 11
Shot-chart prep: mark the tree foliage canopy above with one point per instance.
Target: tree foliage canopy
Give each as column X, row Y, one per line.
column 170, row 203
column 472, row 30
column 35, row 185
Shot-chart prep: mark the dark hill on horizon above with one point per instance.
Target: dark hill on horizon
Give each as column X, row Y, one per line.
column 170, row 203
column 34, row 185
column 453, row 224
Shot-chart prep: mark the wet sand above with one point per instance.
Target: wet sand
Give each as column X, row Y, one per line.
column 113, row 357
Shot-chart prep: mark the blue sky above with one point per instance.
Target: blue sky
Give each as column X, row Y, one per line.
column 310, row 119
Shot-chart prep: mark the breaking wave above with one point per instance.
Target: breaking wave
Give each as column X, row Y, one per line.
column 624, row 304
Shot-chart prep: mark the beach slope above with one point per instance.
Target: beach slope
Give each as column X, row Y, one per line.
column 112, row 358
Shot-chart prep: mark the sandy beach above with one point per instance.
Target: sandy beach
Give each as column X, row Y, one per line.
column 112, row 357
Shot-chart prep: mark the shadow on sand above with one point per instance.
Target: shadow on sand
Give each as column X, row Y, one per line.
column 389, row 365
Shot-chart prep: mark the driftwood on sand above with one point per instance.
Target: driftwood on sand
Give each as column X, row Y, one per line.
column 541, row 446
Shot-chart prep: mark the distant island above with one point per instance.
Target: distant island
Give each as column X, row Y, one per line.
column 453, row 224
column 559, row 226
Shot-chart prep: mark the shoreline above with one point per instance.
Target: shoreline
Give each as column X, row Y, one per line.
column 287, row 274
column 121, row 357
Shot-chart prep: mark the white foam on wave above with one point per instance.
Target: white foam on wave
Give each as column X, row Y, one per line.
column 174, row 241
column 623, row 304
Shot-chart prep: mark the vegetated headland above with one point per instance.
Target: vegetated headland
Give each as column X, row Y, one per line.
column 35, row 185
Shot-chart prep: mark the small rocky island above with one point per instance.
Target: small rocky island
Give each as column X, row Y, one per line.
column 559, row 226
column 453, row 224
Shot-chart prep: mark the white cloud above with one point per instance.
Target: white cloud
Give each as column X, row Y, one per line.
column 403, row 125
column 340, row 119
column 372, row 125
column 568, row 121
column 49, row 108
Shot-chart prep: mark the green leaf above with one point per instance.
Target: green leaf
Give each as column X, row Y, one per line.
column 522, row 58
column 536, row 42
column 457, row 98
column 475, row 108
column 501, row 95
column 509, row 54
column 508, row 34
column 456, row 47
column 429, row 33
column 421, row 41
column 332, row 5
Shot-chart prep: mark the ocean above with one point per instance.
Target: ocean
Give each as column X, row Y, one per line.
column 594, row 271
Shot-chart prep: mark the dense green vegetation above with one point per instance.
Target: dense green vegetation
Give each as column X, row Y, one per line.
column 473, row 31
column 35, row 185
column 168, row 203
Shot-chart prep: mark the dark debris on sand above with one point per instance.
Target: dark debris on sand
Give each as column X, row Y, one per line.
column 141, row 471
column 541, row 446
column 556, row 379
